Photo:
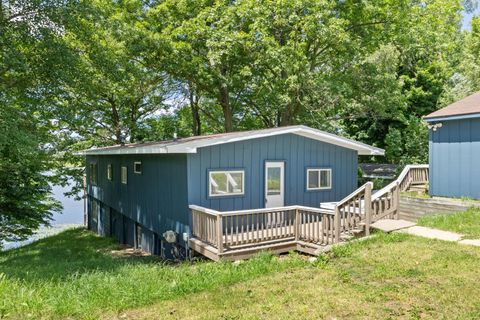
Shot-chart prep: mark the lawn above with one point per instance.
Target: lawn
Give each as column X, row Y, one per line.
column 393, row 276
column 75, row 275
column 467, row 222
column 78, row 274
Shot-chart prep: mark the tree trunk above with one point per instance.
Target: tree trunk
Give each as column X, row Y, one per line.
column 226, row 108
column 225, row 101
column 116, row 122
column 196, row 122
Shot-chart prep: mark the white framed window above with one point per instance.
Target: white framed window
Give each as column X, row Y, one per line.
column 319, row 179
column 137, row 167
column 109, row 172
column 93, row 173
column 124, row 175
column 226, row 183
column 94, row 207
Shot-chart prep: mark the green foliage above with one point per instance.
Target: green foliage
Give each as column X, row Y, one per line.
column 25, row 198
column 29, row 51
column 407, row 145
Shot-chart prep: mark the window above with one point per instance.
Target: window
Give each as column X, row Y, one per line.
column 319, row 179
column 137, row 167
column 226, row 183
column 109, row 172
column 93, row 173
column 94, row 213
column 124, row 175
column 138, row 234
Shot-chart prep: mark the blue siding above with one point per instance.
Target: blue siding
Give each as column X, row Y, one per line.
column 454, row 152
column 297, row 152
column 156, row 199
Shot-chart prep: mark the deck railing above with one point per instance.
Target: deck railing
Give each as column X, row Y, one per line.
column 355, row 208
column 231, row 230
column 413, row 175
column 237, row 229
column 385, row 202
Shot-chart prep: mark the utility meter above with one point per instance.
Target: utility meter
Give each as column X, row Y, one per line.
column 170, row 236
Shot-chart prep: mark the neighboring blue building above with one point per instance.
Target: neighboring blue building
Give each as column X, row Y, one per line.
column 137, row 192
column 454, row 149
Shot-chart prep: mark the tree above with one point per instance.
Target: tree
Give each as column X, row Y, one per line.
column 425, row 39
column 26, row 201
column 28, row 56
column 114, row 88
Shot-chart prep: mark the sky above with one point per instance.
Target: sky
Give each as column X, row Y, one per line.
column 467, row 17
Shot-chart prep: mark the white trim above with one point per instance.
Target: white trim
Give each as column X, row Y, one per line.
column 319, row 170
column 124, row 177
column 191, row 145
column 134, row 167
column 229, row 178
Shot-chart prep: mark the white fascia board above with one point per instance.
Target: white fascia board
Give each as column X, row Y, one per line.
column 361, row 148
column 191, row 146
column 141, row 150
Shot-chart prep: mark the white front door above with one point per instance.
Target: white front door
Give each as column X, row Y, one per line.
column 274, row 184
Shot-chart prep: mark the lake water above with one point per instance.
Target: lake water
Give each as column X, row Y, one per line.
column 70, row 217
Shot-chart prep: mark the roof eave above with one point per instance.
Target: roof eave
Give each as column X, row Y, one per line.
column 453, row 117
column 192, row 146
column 141, row 150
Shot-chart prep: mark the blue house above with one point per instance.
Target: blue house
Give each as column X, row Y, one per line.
column 140, row 193
column 454, row 149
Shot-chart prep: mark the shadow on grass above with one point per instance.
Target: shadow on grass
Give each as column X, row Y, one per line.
column 74, row 251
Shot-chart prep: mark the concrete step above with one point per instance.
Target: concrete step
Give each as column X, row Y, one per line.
column 389, row 225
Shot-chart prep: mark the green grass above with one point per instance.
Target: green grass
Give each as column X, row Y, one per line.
column 393, row 276
column 467, row 223
column 74, row 274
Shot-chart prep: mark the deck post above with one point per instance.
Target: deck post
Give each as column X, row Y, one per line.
column 297, row 224
column 219, row 233
column 368, row 207
column 397, row 201
column 337, row 224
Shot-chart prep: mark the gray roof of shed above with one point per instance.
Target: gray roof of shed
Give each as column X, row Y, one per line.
column 190, row 144
column 466, row 106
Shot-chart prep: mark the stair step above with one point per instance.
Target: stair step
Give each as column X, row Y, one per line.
column 346, row 237
column 357, row 231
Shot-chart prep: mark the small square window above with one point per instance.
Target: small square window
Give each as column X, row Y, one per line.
column 319, row 179
column 124, row 175
column 109, row 172
column 137, row 167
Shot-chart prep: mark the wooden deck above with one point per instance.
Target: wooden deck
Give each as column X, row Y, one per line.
column 240, row 234
column 234, row 235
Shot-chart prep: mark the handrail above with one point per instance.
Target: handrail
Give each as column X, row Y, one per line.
column 259, row 210
column 399, row 180
column 354, row 193
column 204, row 210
